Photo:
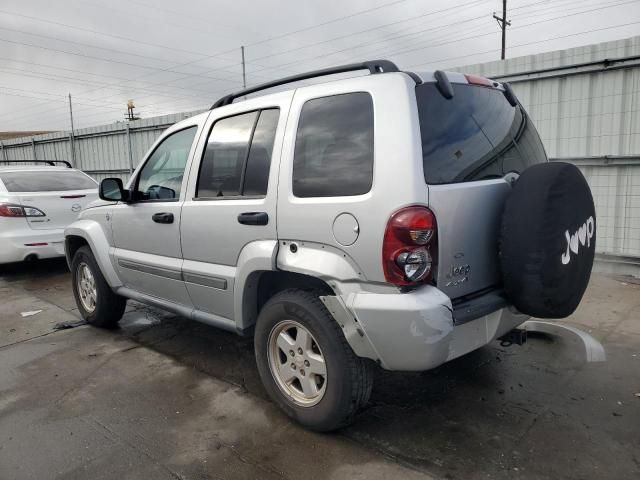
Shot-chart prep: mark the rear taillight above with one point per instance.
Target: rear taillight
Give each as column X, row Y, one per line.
column 13, row 210
column 409, row 241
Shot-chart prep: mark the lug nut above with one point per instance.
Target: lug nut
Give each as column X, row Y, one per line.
column 306, row 363
column 302, row 371
column 293, row 366
column 291, row 352
column 300, row 351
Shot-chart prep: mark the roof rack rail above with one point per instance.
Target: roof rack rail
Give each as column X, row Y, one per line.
column 374, row 66
column 46, row 162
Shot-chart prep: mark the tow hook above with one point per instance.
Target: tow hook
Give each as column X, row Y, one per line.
column 516, row 336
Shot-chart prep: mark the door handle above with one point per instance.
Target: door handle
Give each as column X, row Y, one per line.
column 253, row 218
column 162, row 217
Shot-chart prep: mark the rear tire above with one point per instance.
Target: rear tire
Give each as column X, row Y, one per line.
column 97, row 303
column 335, row 395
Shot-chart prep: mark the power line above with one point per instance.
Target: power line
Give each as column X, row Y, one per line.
column 81, row 81
column 265, row 40
column 71, row 80
column 48, row 37
column 366, row 44
column 417, row 48
column 352, row 34
column 323, row 24
column 360, row 32
column 376, row 28
column 530, row 43
column 104, row 34
column 280, row 67
column 475, row 37
column 525, row 44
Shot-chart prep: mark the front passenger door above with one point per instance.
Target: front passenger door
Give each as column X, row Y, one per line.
column 146, row 232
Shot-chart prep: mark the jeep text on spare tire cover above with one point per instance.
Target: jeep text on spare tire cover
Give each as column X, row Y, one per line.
column 583, row 234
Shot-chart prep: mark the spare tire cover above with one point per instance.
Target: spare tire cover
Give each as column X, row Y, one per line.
column 547, row 240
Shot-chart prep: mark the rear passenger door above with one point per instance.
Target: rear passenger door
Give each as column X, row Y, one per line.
column 231, row 200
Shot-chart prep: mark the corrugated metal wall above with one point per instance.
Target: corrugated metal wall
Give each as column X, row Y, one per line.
column 586, row 108
column 104, row 151
column 585, row 103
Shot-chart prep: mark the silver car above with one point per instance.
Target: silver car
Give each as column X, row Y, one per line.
column 396, row 219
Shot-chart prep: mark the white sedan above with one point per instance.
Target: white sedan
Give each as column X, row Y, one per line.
column 36, row 204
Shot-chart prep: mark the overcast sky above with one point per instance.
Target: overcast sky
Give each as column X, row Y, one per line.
column 170, row 56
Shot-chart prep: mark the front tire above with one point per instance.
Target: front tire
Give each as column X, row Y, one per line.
column 97, row 303
column 306, row 364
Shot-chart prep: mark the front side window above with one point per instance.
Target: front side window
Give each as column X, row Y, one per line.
column 237, row 158
column 39, row 181
column 334, row 147
column 161, row 177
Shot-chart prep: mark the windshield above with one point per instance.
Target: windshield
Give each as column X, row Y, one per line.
column 475, row 135
column 39, row 181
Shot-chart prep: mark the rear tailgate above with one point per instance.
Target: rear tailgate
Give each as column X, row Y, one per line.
column 468, row 216
column 470, row 142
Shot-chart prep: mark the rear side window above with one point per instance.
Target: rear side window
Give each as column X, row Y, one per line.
column 46, row 181
column 334, row 147
column 475, row 135
column 237, row 157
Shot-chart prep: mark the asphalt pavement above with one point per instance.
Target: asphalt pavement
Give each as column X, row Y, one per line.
column 164, row 397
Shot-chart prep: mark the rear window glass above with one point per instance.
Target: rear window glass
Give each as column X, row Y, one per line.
column 475, row 135
column 46, row 181
column 334, row 147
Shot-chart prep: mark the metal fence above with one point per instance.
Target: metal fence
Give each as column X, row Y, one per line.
column 105, row 151
column 584, row 101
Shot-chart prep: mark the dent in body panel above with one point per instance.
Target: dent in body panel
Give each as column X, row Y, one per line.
column 415, row 331
column 432, row 328
column 318, row 260
column 354, row 334
column 410, row 331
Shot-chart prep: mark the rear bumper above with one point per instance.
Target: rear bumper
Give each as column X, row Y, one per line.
column 16, row 245
column 418, row 330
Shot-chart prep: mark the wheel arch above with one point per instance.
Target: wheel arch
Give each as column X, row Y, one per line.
column 260, row 286
column 71, row 245
column 89, row 232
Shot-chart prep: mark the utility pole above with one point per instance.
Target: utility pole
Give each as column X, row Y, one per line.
column 73, row 134
column 244, row 75
column 503, row 23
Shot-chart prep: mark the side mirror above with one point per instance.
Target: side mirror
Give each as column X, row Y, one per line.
column 112, row 190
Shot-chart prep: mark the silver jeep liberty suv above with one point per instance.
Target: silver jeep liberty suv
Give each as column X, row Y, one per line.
column 396, row 219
